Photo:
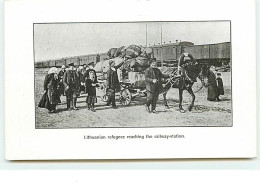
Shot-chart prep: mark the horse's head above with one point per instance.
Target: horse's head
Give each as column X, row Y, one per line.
column 195, row 70
column 203, row 75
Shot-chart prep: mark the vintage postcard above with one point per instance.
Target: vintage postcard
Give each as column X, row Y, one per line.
column 107, row 88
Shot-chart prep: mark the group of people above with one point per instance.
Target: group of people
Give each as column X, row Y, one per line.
column 71, row 81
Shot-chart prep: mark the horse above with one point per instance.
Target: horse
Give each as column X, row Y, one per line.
column 193, row 71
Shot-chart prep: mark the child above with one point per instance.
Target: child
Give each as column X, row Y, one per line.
column 219, row 86
column 91, row 85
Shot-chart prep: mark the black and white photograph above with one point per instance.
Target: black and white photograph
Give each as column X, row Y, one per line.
column 132, row 74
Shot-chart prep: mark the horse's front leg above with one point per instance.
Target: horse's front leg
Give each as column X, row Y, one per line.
column 180, row 100
column 193, row 97
column 165, row 100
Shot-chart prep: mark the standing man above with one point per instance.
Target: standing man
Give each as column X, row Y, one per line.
column 112, row 83
column 153, row 77
column 71, row 83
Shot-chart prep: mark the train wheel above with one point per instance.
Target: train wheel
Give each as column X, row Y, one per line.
column 125, row 97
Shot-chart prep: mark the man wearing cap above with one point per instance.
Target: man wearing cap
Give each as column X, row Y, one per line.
column 112, row 82
column 71, row 83
column 153, row 78
column 60, row 76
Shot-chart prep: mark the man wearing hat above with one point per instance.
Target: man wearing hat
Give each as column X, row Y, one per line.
column 153, row 78
column 112, row 82
column 71, row 83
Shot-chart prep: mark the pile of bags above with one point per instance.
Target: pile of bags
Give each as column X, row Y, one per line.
column 135, row 59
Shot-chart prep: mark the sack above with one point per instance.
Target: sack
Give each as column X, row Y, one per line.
column 133, row 51
column 111, row 52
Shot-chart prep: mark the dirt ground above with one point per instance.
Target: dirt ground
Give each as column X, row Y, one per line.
column 204, row 113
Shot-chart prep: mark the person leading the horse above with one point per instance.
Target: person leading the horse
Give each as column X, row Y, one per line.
column 153, row 78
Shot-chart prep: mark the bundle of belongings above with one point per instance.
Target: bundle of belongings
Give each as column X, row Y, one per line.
column 135, row 60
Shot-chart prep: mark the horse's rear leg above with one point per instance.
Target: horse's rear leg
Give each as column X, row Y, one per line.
column 193, row 98
column 165, row 101
column 180, row 100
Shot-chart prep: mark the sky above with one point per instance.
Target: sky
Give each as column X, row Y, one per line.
column 57, row 40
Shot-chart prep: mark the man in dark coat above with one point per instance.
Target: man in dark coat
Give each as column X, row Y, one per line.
column 71, row 83
column 112, row 83
column 153, row 78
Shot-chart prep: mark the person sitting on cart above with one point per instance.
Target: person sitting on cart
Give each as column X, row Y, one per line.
column 112, row 83
column 153, row 78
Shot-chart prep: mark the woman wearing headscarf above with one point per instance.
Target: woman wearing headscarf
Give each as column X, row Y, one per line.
column 212, row 88
column 50, row 98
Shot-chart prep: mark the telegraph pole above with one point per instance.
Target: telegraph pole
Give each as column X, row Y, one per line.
column 161, row 48
column 146, row 35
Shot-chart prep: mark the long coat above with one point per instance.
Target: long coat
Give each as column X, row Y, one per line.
column 71, row 79
column 220, row 86
column 150, row 75
column 51, row 95
column 112, row 79
column 91, row 90
column 212, row 88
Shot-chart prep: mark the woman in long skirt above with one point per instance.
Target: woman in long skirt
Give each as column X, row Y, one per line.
column 50, row 98
column 212, row 88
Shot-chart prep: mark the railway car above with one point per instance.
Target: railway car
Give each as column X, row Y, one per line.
column 103, row 56
column 169, row 53
column 74, row 60
column 52, row 63
column 38, row 65
column 83, row 59
column 45, row 64
column 211, row 54
column 220, row 53
column 60, row 62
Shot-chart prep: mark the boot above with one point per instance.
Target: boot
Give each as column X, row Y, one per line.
column 93, row 108
column 68, row 104
column 74, row 102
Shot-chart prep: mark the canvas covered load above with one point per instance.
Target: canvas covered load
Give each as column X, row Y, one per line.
column 116, row 52
column 132, row 51
column 136, row 64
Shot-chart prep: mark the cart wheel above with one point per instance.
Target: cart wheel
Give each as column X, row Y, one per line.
column 125, row 96
column 104, row 98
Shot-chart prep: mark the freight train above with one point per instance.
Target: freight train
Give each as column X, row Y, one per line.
column 167, row 54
